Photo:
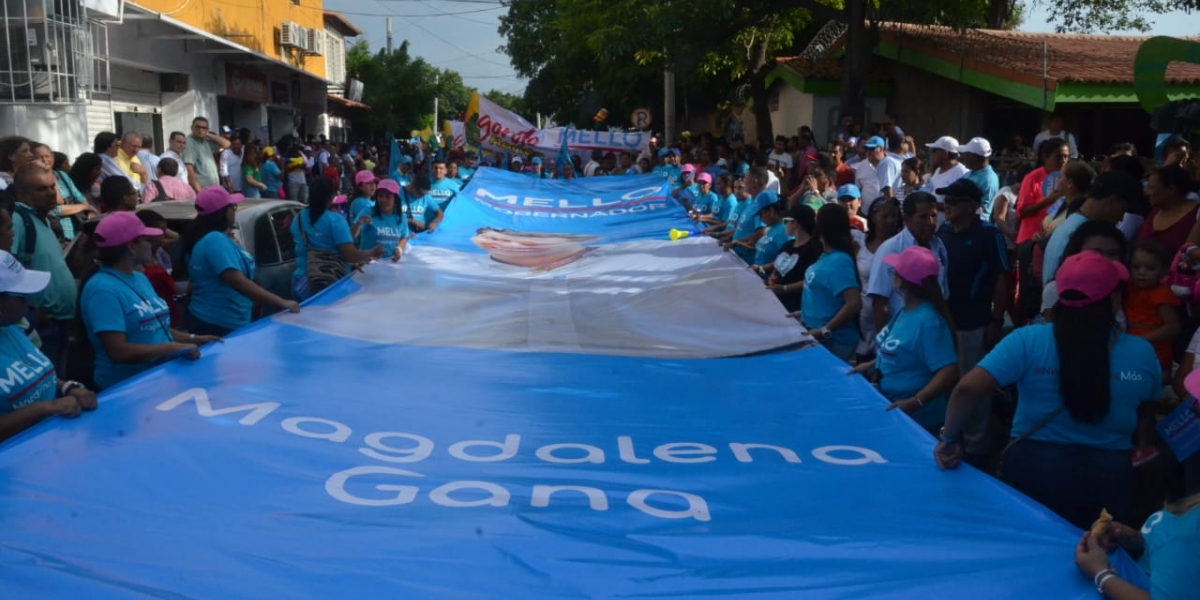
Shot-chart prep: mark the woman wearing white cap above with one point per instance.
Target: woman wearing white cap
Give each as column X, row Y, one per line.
column 222, row 273
column 35, row 392
column 916, row 355
column 1081, row 381
column 127, row 323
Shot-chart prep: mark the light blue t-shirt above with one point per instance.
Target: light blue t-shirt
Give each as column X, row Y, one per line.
column 909, row 350
column 688, row 194
column 1029, row 358
column 272, row 175
column 424, row 209
column 360, row 205
column 444, row 191
column 705, row 203
column 115, row 302
column 28, row 376
column 329, row 232
column 1057, row 244
column 723, row 209
column 888, row 172
column 465, row 173
column 671, row 172
column 213, row 301
column 384, row 230
column 770, row 244
column 880, row 281
column 1170, row 558
column 746, row 222
column 989, row 183
column 824, row 282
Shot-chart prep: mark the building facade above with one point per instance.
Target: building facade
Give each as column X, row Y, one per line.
column 75, row 68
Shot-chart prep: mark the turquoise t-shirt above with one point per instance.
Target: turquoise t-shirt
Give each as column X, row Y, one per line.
column 28, row 376
column 444, row 191
column 824, row 283
column 359, row 205
column 722, row 209
column 908, row 351
column 272, row 175
column 60, row 296
column 114, row 301
column 1170, row 558
column 213, row 301
column 385, row 230
column 770, row 244
column 329, row 232
column 746, row 222
column 671, row 172
column 688, row 194
column 1029, row 358
column 705, row 203
column 989, row 184
column 423, row 209
column 465, row 173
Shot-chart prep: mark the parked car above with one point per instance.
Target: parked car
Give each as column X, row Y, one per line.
column 263, row 229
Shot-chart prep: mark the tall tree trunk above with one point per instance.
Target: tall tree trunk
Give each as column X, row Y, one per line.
column 999, row 12
column 856, row 65
column 759, row 68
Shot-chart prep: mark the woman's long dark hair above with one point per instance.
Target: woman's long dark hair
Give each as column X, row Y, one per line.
column 877, row 207
column 320, row 196
column 201, row 226
column 1083, row 335
column 112, row 193
column 81, row 172
column 833, row 229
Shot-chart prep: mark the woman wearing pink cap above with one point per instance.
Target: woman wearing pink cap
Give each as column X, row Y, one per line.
column 37, row 392
column 915, row 353
column 222, row 272
column 363, row 199
column 383, row 224
column 127, row 323
column 1081, row 381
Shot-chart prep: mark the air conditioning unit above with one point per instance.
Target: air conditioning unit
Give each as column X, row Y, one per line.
column 291, row 34
column 316, row 42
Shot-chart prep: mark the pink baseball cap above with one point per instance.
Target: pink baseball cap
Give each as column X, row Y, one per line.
column 390, row 185
column 340, row 199
column 1087, row 278
column 704, row 178
column 689, row 168
column 364, row 176
column 1192, row 384
column 914, row 265
column 214, row 198
column 120, row 228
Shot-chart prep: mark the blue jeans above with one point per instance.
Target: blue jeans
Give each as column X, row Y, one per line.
column 842, row 350
column 199, row 327
column 1072, row 480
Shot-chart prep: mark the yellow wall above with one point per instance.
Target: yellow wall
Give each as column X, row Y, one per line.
column 250, row 23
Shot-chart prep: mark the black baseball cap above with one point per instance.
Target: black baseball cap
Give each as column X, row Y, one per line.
column 963, row 188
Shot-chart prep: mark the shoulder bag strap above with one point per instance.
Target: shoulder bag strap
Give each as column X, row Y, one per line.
column 1036, row 426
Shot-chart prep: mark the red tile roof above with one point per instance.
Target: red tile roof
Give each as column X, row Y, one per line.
column 1015, row 55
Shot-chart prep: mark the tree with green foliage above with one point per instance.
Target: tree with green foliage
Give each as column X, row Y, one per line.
column 400, row 89
column 512, row 102
column 580, row 54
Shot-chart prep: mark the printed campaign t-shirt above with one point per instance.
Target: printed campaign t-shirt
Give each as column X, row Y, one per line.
column 213, row 300
column 908, row 351
column 383, row 230
column 27, row 375
column 444, row 191
column 770, row 244
column 1170, row 557
column 705, row 203
column 723, row 209
column 824, row 283
column 1029, row 358
column 329, row 232
column 420, row 209
column 115, row 302
column 747, row 222
column 360, row 205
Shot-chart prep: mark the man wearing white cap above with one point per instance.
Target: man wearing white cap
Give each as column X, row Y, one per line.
column 943, row 157
column 974, row 156
column 33, row 391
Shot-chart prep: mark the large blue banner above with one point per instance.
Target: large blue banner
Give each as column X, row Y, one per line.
column 474, row 425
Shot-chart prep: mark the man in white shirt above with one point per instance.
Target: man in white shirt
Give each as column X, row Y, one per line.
column 779, row 160
column 230, row 167
column 146, row 156
column 1054, row 129
column 175, row 146
column 919, row 213
column 867, row 181
column 887, row 170
column 943, row 158
column 589, row 170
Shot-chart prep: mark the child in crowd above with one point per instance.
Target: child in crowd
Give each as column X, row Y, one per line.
column 1151, row 309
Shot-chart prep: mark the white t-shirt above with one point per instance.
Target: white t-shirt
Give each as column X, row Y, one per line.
column 783, row 160
column 945, row 178
column 868, row 183
column 1046, row 135
column 772, row 181
column 231, row 167
column 589, row 170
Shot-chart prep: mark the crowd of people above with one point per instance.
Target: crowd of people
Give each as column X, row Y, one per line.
column 1037, row 319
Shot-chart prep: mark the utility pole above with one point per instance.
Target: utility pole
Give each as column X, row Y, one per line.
column 436, row 77
column 389, row 35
